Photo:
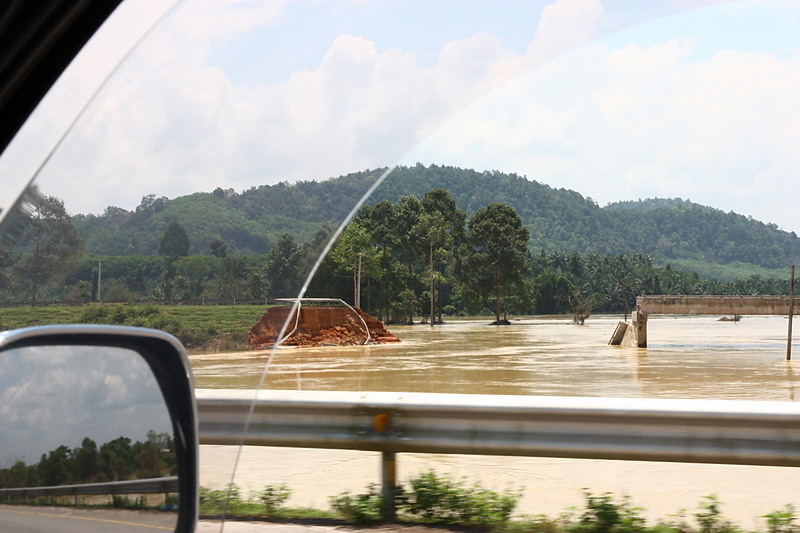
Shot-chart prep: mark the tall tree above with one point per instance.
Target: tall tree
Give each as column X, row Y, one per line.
column 228, row 282
column 431, row 229
column 354, row 252
column 175, row 242
column 86, row 459
column 379, row 221
column 53, row 242
column 282, row 270
column 441, row 226
column 497, row 249
column 219, row 248
column 406, row 216
column 195, row 269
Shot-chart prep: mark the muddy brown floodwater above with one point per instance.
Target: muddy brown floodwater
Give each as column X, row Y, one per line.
column 688, row 357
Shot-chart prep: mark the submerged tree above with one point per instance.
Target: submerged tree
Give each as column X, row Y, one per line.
column 440, row 227
column 432, row 231
column 496, row 250
column 354, row 252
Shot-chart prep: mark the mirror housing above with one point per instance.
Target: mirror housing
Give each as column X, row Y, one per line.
column 166, row 357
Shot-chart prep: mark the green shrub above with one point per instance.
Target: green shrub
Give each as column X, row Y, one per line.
column 603, row 515
column 216, row 501
column 676, row 523
column 231, row 501
column 123, row 502
column 436, row 498
column 359, row 508
column 171, row 502
column 536, row 524
column 782, row 520
column 274, row 496
column 432, row 498
column 709, row 516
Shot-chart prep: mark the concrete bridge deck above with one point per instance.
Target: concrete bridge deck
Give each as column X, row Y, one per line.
column 635, row 333
column 713, row 305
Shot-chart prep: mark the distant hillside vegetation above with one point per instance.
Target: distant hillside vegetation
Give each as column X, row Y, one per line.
column 558, row 219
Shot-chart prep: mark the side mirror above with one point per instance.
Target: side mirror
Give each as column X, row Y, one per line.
column 91, row 415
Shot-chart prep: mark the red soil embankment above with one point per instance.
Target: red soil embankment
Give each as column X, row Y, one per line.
column 318, row 326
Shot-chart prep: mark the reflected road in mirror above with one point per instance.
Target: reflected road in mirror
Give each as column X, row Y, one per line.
column 70, row 520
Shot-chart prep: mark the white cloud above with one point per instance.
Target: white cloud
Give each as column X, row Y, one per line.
column 612, row 123
column 565, row 25
column 729, row 126
column 182, row 127
column 645, row 122
column 653, row 60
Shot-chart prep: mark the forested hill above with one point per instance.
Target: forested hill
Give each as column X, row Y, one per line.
column 558, row 219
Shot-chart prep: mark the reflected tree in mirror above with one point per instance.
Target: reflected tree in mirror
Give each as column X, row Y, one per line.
column 81, row 414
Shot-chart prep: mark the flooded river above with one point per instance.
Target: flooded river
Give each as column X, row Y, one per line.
column 688, row 357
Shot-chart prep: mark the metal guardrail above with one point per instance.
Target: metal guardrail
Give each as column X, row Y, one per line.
column 138, row 486
column 694, row 431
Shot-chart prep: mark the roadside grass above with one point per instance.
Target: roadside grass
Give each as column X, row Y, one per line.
column 199, row 328
column 727, row 272
column 259, row 504
column 430, row 498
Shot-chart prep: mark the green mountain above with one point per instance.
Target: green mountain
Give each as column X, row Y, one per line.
column 669, row 230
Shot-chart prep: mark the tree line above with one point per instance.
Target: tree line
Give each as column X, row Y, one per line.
column 120, row 459
column 559, row 220
column 416, row 257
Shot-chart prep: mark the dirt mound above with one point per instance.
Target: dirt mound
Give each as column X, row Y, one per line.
column 318, row 326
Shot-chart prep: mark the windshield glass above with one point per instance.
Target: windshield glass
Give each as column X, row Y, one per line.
column 409, row 173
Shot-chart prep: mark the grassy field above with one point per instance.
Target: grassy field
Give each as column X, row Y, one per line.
column 728, row 272
column 199, row 328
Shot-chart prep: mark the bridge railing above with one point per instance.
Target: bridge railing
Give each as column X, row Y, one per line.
column 694, row 431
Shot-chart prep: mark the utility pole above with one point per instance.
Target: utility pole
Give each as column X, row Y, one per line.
column 791, row 315
column 99, row 277
column 358, row 282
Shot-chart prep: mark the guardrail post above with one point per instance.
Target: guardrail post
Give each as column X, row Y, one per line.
column 389, row 485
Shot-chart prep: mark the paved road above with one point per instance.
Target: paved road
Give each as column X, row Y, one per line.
column 27, row 519
column 257, row 527
column 268, row 527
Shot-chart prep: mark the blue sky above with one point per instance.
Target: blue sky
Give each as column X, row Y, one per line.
column 617, row 100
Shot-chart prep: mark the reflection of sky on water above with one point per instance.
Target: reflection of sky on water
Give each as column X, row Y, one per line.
column 57, row 395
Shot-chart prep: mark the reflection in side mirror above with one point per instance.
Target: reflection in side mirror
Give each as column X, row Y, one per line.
column 81, row 414
column 96, row 416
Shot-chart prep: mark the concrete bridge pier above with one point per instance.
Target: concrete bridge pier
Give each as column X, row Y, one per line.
column 631, row 334
column 639, row 319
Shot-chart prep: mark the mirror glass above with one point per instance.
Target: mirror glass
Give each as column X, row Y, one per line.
column 80, row 415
